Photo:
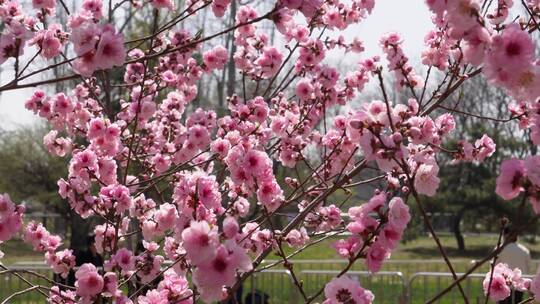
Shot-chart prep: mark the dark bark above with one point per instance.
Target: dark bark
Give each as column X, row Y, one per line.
column 80, row 228
column 231, row 69
column 457, row 231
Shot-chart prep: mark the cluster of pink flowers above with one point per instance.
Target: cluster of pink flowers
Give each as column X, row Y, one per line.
column 50, row 41
column 90, row 284
column 503, row 280
column 508, row 56
column 10, row 217
column 398, row 62
column 97, row 46
column 204, row 190
column 482, row 149
column 58, row 296
column 215, row 58
column 438, row 47
column 518, row 176
column 173, row 289
column 322, row 218
column 58, row 146
column 378, row 225
column 61, row 261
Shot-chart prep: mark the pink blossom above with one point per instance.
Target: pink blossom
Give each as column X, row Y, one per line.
column 215, row 58
column 511, row 53
column 219, row 7
column 221, row 147
column 230, row 227
column 154, row 296
column 304, row 89
column 50, row 41
column 124, row 259
column 445, row 123
column 501, row 282
column 426, row 180
column 347, row 248
column 7, row 207
column 499, row 289
column 105, row 236
column 177, row 287
column 110, row 285
column 345, row 290
column 57, row 296
column 40, row 238
column 376, row 255
column 532, row 168
column 61, row 262
column 108, row 53
column 398, row 213
column 59, row 146
column 270, row 194
column 95, row 7
column 256, row 162
column 214, row 273
column 535, row 284
column 509, row 180
column 89, row 283
column 269, row 62
column 110, row 50
column 485, row 146
column 149, row 265
column 297, row 238
column 168, row 4
column 39, row 4
column 200, row 242
column 116, row 196
column 136, row 130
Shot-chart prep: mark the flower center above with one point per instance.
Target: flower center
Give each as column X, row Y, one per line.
column 344, row 296
column 513, row 49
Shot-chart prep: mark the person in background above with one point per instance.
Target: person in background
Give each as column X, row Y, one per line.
column 90, row 255
column 516, row 256
column 257, row 297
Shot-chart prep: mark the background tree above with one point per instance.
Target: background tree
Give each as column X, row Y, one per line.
column 467, row 188
column 30, row 174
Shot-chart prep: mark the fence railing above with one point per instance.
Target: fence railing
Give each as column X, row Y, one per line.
column 276, row 285
column 423, row 286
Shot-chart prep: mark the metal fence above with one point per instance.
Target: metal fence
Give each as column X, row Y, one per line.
column 276, row 285
column 9, row 283
column 423, row 286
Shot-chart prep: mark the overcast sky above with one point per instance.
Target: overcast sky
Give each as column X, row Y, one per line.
column 410, row 18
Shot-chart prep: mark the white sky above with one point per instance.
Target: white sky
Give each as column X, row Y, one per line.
column 410, row 18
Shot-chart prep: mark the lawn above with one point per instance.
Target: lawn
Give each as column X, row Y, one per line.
column 477, row 246
column 387, row 288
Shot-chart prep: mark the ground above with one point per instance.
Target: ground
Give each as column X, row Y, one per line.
column 421, row 248
column 477, row 246
column 388, row 289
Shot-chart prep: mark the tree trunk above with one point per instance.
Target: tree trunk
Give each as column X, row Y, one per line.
column 457, row 231
column 79, row 232
column 231, row 69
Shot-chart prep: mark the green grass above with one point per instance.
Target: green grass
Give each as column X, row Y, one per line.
column 18, row 251
column 387, row 289
column 421, row 249
column 477, row 247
